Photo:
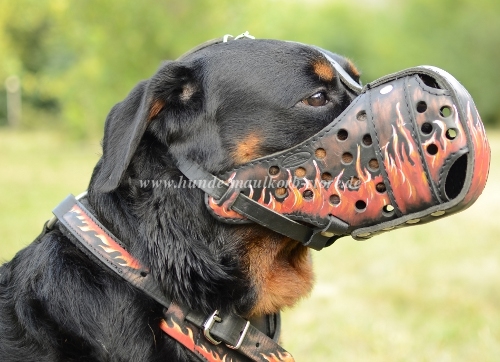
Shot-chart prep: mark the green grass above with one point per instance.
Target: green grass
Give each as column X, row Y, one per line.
column 425, row 293
column 37, row 171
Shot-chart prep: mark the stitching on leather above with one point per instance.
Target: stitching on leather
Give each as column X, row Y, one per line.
column 427, row 89
column 382, row 169
column 97, row 253
column 419, row 146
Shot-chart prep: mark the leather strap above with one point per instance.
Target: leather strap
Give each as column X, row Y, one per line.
column 104, row 246
column 188, row 328
column 316, row 238
column 242, row 341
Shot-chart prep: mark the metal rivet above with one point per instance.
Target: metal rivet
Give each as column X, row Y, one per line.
column 438, row 213
column 327, row 234
column 387, row 89
column 413, row 221
column 364, row 235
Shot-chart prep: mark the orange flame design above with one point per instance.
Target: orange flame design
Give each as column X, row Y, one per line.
column 280, row 357
column 408, row 181
column 481, row 157
column 186, row 339
column 319, row 204
column 211, row 356
column 108, row 244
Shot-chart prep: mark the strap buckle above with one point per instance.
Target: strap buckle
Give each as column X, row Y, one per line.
column 246, row 34
column 242, row 337
column 209, row 323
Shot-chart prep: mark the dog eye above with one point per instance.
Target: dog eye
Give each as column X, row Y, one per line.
column 316, row 100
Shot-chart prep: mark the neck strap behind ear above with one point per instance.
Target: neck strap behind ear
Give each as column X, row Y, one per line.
column 344, row 76
column 226, row 38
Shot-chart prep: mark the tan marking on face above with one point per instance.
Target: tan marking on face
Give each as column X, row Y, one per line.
column 280, row 269
column 324, row 70
column 156, row 107
column 248, row 149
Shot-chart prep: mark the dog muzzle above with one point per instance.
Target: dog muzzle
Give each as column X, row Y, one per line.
column 411, row 148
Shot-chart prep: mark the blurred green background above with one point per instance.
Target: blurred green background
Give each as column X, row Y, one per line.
column 428, row 293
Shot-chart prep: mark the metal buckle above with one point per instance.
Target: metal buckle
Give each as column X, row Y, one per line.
column 209, row 323
column 242, row 337
column 53, row 220
column 246, row 34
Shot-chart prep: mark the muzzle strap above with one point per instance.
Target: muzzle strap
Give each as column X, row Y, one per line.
column 233, row 198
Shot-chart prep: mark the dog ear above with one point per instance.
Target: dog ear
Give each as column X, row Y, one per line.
column 171, row 87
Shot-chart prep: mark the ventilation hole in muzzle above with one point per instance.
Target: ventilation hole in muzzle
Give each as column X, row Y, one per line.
column 432, row 149
column 320, row 153
column 451, row 134
column 445, row 111
column 347, row 158
column 308, row 194
column 281, row 193
column 367, row 140
column 334, row 199
column 429, row 81
column 342, row 135
column 388, row 210
column 274, row 170
column 327, row 177
column 373, row 165
column 380, row 187
column 361, row 116
column 421, row 107
column 360, row 206
column 426, row 128
column 300, row 172
column 455, row 179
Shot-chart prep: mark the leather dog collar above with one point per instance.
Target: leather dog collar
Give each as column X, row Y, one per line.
column 218, row 337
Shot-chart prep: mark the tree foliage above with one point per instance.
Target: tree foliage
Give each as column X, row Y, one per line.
column 77, row 58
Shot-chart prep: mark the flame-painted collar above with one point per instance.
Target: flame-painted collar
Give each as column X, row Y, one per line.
column 218, row 337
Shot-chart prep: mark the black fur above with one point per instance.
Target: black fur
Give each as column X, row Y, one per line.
column 58, row 305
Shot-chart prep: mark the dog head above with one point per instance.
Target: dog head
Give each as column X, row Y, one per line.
column 227, row 104
column 219, row 108
column 222, row 105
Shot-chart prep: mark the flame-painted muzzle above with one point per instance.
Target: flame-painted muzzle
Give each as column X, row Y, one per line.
column 409, row 149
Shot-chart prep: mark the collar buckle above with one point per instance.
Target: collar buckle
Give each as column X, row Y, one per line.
column 242, row 337
column 209, row 323
column 215, row 318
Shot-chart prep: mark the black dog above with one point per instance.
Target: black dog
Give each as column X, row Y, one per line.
column 223, row 105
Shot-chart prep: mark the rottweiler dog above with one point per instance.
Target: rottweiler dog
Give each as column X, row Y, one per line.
column 222, row 105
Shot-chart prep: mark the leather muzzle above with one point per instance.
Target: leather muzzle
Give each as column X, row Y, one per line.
column 411, row 148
